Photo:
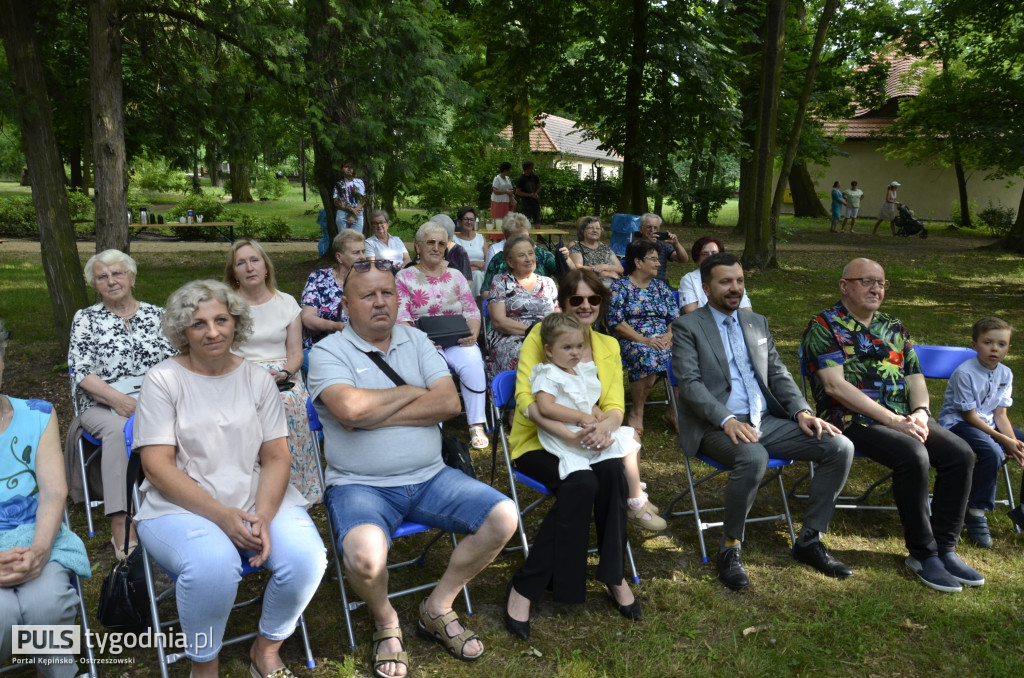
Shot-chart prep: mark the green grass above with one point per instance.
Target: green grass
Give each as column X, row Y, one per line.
column 880, row 622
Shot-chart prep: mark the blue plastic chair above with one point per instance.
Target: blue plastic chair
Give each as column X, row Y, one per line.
column 503, row 390
column 165, row 658
column 406, row 529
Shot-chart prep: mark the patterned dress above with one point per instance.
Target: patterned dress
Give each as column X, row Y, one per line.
column 522, row 305
column 649, row 312
column 115, row 348
column 602, row 254
column 875, row 359
column 323, row 293
column 270, row 326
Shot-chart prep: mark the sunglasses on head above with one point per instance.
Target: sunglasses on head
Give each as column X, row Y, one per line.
column 363, row 265
column 577, row 299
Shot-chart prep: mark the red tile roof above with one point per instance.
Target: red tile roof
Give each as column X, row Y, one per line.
column 553, row 134
column 903, row 80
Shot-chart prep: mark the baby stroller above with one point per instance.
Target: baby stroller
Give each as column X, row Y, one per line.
column 907, row 225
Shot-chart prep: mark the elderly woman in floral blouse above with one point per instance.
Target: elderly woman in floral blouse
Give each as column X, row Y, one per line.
column 432, row 288
column 321, row 311
column 113, row 344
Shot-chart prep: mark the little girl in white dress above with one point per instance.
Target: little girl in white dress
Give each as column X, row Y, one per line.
column 567, row 391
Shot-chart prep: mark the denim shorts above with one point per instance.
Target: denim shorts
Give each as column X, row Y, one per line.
column 450, row 501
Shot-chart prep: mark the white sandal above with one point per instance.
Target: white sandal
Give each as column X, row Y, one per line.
column 477, row 437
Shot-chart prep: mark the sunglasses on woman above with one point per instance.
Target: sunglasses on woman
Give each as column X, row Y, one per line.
column 577, row 299
column 363, row 265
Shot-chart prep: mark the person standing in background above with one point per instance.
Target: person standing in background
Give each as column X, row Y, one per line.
column 503, row 193
column 853, row 197
column 528, row 189
column 349, row 197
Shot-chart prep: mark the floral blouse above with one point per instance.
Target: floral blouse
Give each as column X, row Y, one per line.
column 421, row 295
column 115, row 348
column 875, row 359
column 323, row 293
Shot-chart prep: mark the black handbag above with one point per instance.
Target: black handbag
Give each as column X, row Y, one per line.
column 124, row 600
column 444, row 330
column 454, row 452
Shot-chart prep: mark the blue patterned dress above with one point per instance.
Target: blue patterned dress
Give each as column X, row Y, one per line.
column 649, row 312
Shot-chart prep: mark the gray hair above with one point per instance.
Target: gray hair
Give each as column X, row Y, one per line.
column 650, row 215
column 3, row 339
column 446, row 222
column 512, row 243
column 342, row 239
column 109, row 257
column 431, row 227
column 582, row 224
column 513, row 223
column 184, row 301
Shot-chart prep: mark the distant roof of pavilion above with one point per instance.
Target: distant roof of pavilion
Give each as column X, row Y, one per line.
column 553, row 134
column 901, row 82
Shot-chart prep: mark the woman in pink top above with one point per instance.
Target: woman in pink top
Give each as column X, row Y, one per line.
column 431, row 288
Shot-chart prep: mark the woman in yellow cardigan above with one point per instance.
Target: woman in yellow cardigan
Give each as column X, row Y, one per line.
column 558, row 557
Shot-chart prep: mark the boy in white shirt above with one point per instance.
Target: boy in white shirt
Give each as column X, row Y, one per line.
column 974, row 408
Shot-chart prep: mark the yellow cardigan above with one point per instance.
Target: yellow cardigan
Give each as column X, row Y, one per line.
column 609, row 369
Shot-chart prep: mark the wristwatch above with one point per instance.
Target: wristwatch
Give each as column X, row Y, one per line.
column 922, row 407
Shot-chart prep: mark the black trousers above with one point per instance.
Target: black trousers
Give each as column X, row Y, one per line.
column 910, row 460
column 558, row 557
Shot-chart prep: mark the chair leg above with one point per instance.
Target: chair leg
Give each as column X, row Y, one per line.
column 310, row 661
column 1009, row 491
column 696, row 511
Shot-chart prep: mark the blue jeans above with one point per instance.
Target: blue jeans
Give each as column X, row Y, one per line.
column 208, row 567
column 990, row 459
column 451, row 501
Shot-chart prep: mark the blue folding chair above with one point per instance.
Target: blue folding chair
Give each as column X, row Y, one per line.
column 89, row 450
column 503, row 390
column 165, row 658
column 406, row 529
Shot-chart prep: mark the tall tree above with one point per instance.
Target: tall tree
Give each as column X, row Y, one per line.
column 107, row 103
column 61, row 265
column 761, row 116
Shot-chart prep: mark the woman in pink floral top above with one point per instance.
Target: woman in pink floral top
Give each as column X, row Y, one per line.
column 430, row 288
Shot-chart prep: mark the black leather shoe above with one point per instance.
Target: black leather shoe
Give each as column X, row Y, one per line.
column 731, row 570
column 1017, row 516
column 817, row 556
column 519, row 629
column 631, row 611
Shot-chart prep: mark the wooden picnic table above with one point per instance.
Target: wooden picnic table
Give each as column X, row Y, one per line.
column 215, row 225
column 545, row 234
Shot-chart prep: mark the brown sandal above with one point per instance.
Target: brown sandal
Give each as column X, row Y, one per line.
column 401, row 657
column 435, row 629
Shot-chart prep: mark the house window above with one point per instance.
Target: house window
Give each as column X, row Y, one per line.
column 579, row 170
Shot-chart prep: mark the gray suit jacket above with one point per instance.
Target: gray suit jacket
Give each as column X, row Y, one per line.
column 701, row 367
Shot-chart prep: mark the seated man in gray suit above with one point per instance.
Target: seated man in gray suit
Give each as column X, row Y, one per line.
column 736, row 399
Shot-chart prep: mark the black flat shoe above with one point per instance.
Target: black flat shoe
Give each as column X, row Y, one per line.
column 817, row 556
column 519, row 629
column 731, row 570
column 631, row 611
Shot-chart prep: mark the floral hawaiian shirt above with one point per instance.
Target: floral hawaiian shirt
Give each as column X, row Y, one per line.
column 875, row 359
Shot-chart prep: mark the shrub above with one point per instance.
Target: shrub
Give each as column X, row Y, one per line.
column 18, row 216
column 972, row 208
column 998, row 219
column 152, row 173
column 267, row 185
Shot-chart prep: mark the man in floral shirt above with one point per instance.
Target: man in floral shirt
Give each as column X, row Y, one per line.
column 866, row 379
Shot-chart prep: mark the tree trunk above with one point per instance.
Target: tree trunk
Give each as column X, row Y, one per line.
column 522, row 125
column 692, row 177
column 761, row 229
column 702, row 215
column 213, row 166
column 75, row 161
column 61, row 265
column 805, row 198
column 961, row 187
column 634, row 196
column 1014, row 240
column 86, row 152
column 240, row 180
column 106, row 83
column 827, row 12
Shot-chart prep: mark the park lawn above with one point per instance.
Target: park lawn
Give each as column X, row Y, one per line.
column 880, row 622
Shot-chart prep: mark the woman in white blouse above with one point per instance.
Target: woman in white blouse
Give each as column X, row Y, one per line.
column 204, row 510
column 276, row 345
column 383, row 245
column 473, row 243
column 113, row 344
column 503, row 193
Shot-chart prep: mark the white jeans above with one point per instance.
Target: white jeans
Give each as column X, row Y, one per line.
column 468, row 363
column 209, row 568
